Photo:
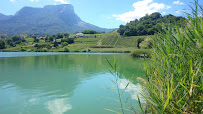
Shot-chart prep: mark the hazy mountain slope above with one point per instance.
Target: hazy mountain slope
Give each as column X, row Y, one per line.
column 48, row 20
column 4, row 17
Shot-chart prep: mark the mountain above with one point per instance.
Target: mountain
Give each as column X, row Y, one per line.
column 50, row 19
column 4, row 17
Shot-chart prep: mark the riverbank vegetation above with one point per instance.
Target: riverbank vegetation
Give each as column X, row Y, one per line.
column 174, row 77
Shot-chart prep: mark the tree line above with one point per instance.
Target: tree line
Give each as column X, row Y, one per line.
column 12, row 41
column 149, row 24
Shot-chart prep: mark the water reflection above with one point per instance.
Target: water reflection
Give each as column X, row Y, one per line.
column 58, row 106
column 58, row 83
column 134, row 89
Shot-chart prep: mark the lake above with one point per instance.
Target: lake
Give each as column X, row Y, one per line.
column 73, row 83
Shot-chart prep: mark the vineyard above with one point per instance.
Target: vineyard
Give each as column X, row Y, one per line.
column 116, row 40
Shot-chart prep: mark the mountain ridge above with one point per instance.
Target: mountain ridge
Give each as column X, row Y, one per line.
column 50, row 19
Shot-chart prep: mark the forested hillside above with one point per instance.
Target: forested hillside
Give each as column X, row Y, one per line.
column 149, row 24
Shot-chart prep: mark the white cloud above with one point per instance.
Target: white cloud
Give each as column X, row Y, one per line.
column 179, row 11
column 163, row 13
column 140, row 9
column 12, row 0
column 200, row 15
column 63, row 1
column 178, row 2
column 34, row 0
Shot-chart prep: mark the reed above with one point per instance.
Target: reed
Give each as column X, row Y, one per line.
column 174, row 78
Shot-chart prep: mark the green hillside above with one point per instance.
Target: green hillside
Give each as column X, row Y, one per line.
column 150, row 24
column 104, row 42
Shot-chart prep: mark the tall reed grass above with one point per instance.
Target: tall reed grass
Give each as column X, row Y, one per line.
column 174, row 76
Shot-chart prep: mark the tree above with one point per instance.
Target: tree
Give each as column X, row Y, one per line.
column 149, row 24
column 36, row 45
column 55, row 43
column 16, row 38
column 64, row 44
column 68, row 40
column 51, row 38
column 155, row 15
column 23, row 40
column 46, row 38
column 2, row 44
column 10, row 42
column 89, row 32
column 36, row 40
column 59, row 35
column 139, row 41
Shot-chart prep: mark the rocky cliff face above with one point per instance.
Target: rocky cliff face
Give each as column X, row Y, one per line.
column 50, row 19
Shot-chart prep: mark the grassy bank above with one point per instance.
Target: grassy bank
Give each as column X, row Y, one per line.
column 141, row 53
column 174, row 77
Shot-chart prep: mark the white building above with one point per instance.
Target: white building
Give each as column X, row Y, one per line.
column 79, row 35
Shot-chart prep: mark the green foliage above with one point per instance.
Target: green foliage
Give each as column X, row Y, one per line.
column 51, row 38
column 66, row 49
column 64, row 44
column 88, row 50
column 44, row 50
column 116, row 40
column 36, row 40
column 40, row 46
column 2, row 44
column 10, row 42
column 55, row 43
column 68, row 40
column 146, row 44
column 36, row 45
column 139, row 41
column 23, row 40
column 141, row 53
column 175, row 76
column 22, row 49
column 149, row 24
column 16, row 38
column 89, row 32
column 59, row 35
column 28, row 50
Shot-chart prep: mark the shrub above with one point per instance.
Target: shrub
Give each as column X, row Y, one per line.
column 146, row 44
column 22, row 49
column 44, row 50
column 88, row 50
column 141, row 53
column 174, row 77
column 2, row 44
column 28, row 50
column 66, row 49
column 64, row 44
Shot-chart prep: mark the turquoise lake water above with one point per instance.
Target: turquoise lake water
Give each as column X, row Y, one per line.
column 60, row 83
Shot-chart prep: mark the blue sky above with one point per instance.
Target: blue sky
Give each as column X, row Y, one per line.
column 105, row 13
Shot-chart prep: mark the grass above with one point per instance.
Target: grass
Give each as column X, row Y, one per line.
column 116, row 40
column 113, row 50
column 174, row 77
column 87, row 39
column 141, row 53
